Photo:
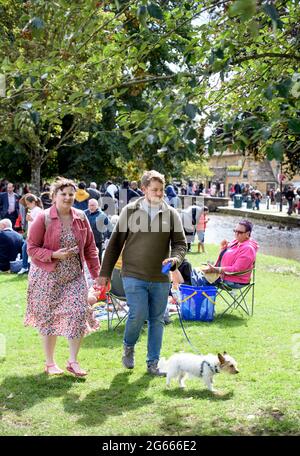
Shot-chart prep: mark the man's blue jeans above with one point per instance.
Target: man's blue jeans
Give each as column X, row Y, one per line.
column 146, row 301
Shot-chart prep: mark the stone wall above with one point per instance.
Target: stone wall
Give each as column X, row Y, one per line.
column 211, row 202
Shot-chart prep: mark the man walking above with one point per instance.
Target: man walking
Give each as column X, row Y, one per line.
column 149, row 234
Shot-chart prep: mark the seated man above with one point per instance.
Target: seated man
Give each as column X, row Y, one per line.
column 235, row 261
column 10, row 244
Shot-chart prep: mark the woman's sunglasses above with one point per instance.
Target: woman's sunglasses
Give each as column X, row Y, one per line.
column 239, row 232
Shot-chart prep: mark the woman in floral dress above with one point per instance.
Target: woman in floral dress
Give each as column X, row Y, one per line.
column 59, row 242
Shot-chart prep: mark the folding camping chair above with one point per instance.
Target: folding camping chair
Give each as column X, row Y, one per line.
column 238, row 298
column 116, row 301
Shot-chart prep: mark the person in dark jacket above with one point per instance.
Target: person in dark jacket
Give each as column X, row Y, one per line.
column 93, row 213
column 9, row 204
column 135, row 188
column 10, row 244
column 81, row 197
column 149, row 234
column 125, row 194
column 93, row 191
column 290, row 195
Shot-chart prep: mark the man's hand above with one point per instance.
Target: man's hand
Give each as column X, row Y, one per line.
column 172, row 259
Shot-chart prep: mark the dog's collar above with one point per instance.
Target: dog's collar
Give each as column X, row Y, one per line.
column 214, row 369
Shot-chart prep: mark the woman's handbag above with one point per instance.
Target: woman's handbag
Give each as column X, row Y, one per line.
column 211, row 277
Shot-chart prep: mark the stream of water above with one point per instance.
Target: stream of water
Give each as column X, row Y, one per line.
column 272, row 241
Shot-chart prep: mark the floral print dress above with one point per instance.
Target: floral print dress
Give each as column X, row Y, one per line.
column 57, row 301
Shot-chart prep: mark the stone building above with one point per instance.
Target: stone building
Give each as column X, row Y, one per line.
column 231, row 167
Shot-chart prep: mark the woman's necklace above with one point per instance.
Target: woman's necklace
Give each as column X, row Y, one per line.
column 65, row 220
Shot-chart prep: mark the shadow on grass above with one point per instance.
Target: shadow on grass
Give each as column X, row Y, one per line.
column 102, row 403
column 197, row 394
column 104, row 338
column 230, row 320
column 20, row 393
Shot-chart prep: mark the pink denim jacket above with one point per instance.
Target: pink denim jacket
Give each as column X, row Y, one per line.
column 42, row 241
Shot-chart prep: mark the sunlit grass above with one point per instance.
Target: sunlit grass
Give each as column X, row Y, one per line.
column 262, row 400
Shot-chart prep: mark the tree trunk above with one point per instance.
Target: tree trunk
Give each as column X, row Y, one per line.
column 35, row 174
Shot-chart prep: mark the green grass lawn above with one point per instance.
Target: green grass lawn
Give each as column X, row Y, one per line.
column 262, row 400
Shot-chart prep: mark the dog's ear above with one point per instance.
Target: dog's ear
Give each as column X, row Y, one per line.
column 221, row 358
column 224, row 353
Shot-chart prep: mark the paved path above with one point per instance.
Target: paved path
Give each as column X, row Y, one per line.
column 271, row 214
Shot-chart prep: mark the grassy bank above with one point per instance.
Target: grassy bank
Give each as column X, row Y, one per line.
column 262, row 400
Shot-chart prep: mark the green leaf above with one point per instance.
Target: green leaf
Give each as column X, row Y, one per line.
column 245, row 9
column 243, row 139
column 127, row 134
column 219, row 53
column 189, row 133
column 142, row 14
column 191, row 147
column 211, row 147
column 35, row 117
column 277, row 149
column 294, row 126
column 155, row 11
column 284, row 88
column 253, row 28
column 117, row 3
column 190, row 110
column 271, row 11
column 268, row 93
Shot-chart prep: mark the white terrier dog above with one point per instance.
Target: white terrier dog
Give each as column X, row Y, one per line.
column 205, row 367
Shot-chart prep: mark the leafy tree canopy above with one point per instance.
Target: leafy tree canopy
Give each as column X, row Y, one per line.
column 153, row 74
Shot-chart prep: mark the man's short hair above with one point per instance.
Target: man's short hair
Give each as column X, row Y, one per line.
column 148, row 176
column 82, row 185
column 93, row 200
column 6, row 223
column 93, row 185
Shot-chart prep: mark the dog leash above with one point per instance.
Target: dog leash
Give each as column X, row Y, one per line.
column 178, row 302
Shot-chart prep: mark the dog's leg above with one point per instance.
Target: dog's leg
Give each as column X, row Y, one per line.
column 181, row 378
column 168, row 381
column 208, row 380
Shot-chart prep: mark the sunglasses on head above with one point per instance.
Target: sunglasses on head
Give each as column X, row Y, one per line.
column 239, row 232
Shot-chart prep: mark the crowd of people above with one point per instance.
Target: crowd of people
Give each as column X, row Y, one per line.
column 74, row 229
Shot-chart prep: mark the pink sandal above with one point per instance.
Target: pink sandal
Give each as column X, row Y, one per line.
column 53, row 365
column 70, row 369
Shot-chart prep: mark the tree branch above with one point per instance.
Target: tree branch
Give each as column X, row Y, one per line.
column 266, row 54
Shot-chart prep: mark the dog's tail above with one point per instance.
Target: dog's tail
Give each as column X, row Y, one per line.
column 163, row 365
